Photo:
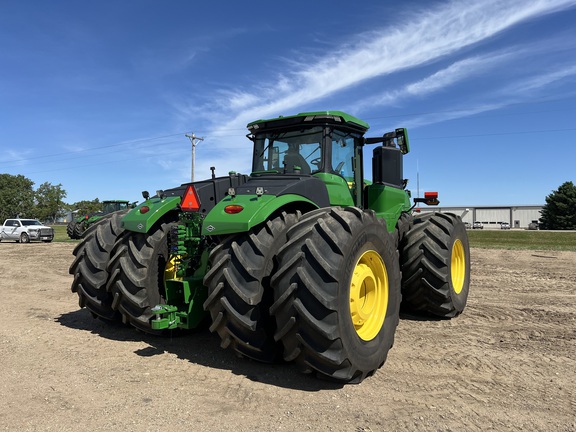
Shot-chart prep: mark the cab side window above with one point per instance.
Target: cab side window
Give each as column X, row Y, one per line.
column 342, row 154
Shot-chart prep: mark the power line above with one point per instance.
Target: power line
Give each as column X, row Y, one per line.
column 498, row 134
column 15, row 162
column 93, row 148
column 175, row 142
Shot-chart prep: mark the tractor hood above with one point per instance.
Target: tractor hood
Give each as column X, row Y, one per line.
column 278, row 185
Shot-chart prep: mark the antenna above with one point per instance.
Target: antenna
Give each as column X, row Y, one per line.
column 417, row 180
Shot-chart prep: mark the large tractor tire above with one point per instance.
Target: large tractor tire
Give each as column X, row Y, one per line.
column 404, row 224
column 239, row 294
column 435, row 257
column 136, row 272
column 79, row 229
column 89, row 266
column 337, row 293
column 70, row 229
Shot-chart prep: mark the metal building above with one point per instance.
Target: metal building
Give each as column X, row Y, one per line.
column 492, row 216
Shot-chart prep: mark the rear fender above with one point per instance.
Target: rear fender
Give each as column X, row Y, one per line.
column 255, row 210
column 388, row 202
column 141, row 218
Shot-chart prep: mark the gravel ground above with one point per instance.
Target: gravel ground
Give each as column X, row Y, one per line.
column 507, row 363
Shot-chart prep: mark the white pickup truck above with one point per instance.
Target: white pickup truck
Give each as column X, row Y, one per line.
column 24, row 230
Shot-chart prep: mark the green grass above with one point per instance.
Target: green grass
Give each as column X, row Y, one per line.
column 523, row 239
column 60, row 234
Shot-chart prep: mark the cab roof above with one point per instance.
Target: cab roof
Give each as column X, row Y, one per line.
column 339, row 118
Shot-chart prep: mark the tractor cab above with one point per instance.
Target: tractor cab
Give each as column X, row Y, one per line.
column 307, row 143
column 326, row 145
column 113, row 206
column 329, row 145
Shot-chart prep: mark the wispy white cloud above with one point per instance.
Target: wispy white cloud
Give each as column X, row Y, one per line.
column 505, row 96
column 16, row 157
column 543, row 80
column 437, row 33
column 444, row 30
column 439, row 80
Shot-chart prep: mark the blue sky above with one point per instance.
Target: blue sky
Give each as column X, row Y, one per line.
column 98, row 96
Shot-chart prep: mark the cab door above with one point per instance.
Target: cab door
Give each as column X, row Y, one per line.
column 12, row 229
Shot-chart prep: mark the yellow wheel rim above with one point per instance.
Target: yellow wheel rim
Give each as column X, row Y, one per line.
column 369, row 295
column 458, row 266
column 171, row 268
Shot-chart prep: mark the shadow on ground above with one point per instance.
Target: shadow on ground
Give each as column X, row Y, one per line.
column 199, row 347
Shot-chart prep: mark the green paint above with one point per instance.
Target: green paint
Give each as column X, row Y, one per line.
column 255, row 210
column 137, row 221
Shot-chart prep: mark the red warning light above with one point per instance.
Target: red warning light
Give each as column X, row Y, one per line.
column 233, row 209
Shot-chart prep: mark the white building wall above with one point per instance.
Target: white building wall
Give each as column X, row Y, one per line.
column 493, row 216
column 522, row 216
column 516, row 216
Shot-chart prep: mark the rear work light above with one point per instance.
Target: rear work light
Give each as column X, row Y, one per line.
column 190, row 201
column 430, row 198
column 233, row 209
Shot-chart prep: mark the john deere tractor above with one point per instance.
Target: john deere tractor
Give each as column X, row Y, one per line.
column 76, row 227
column 302, row 260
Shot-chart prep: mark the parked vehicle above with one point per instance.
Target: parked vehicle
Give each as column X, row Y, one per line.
column 505, row 226
column 477, row 225
column 25, row 230
column 76, row 227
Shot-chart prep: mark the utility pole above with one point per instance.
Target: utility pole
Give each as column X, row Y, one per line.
column 194, row 140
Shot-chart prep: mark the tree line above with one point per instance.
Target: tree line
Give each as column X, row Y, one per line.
column 19, row 199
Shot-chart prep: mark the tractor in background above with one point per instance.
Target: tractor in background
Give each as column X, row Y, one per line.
column 77, row 226
column 303, row 260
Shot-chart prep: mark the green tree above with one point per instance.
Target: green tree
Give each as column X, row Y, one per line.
column 49, row 203
column 16, row 196
column 559, row 212
column 85, row 207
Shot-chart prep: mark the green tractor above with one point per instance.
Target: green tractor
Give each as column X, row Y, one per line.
column 76, row 227
column 303, row 260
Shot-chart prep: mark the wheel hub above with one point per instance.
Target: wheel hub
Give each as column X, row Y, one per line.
column 458, row 266
column 369, row 295
column 171, row 269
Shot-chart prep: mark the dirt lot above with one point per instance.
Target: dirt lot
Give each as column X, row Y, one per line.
column 508, row 363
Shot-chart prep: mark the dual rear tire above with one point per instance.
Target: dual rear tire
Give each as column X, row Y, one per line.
column 239, row 294
column 323, row 291
column 337, row 294
column 137, row 271
column 337, row 288
column 118, row 274
column 435, row 259
column 89, row 268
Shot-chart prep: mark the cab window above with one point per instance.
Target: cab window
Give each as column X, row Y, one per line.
column 343, row 154
column 300, row 148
